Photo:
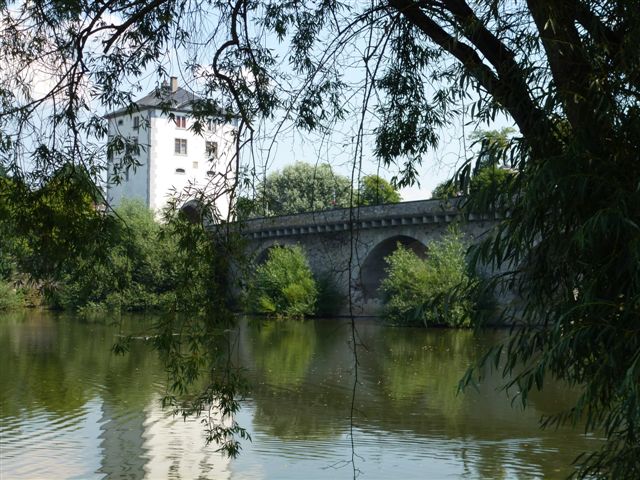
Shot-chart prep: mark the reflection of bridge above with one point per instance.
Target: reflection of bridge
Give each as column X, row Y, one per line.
column 357, row 240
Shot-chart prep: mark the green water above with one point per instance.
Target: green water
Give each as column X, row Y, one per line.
column 71, row 409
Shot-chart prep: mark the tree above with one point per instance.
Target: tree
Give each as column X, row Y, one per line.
column 303, row 187
column 566, row 73
column 375, row 190
column 135, row 271
column 494, row 146
column 445, row 190
column 487, row 173
column 52, row 222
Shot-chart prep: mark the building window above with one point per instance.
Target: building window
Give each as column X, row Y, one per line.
column 180, row 170
column 120, row 122
column 212, row 124
column 195, row 164
column 211, row 149
column 136, row 123
column 180, row 146
column 181, row 121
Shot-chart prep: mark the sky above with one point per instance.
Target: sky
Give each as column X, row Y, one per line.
column 279, row 144
column 438, row 165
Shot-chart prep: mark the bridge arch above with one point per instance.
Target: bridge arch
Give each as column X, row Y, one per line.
column 372, row 271
column 263, row 255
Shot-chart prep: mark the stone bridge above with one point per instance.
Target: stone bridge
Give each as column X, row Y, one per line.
column 350, row 245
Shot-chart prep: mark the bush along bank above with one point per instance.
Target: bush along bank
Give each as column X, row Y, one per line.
column 144, row 265
column 133, row 272
column 10, row 296
column 438, row 290
column 284, row 286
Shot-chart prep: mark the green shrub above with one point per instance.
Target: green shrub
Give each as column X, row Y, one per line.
column 10, row 298
column 147, row 266
column 446, row 190
column 134, row 271
column 284, row 285
column 429, row 291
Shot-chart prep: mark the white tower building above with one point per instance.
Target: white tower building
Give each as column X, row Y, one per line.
column 171, row 156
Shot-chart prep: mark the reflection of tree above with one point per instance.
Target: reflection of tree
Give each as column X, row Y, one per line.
column 418, row 371
column 408, row 386
column 283, row 350
column 58, row 364
column 293, row 398
column 301, row 375
column 424, row 365
column 296, row 416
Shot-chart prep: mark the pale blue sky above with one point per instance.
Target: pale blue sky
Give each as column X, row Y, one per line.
column 276, row 148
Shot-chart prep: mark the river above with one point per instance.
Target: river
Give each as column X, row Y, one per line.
column 69, row 408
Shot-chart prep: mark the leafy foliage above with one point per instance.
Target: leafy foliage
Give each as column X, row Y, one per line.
column 487, row 175
column 46, row 226
column 375, row 190
column 303, row 187
column 445, row 190
column 427, row 291
column 9, row 243
column 10, row 298
column 246, row 208
column 566, row 73
column 135, row 272
column 284, row 284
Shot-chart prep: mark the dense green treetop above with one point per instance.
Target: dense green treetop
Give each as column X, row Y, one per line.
column 566, row 73
column 375, row 190
column 48, row 224
column 303, row 187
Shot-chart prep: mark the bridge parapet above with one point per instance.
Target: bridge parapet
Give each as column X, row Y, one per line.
column 421, row 212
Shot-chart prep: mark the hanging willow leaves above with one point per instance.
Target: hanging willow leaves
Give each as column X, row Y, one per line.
column 566, row 73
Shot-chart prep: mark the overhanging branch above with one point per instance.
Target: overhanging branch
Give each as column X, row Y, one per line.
column 508, row 87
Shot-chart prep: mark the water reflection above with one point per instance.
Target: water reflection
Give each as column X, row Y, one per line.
column 69, row 408
column 282, row 350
